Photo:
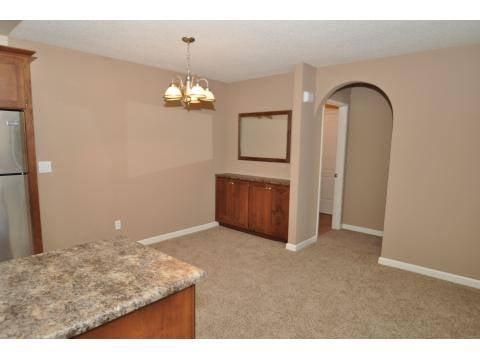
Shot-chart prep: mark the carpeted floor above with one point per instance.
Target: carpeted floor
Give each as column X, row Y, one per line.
column 333, row 289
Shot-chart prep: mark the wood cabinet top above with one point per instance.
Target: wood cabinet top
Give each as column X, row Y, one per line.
column 16, row 51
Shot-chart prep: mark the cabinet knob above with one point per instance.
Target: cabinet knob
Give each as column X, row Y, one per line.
column 231, row 182
column 268, row 188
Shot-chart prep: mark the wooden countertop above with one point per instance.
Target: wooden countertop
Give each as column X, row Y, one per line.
column 260, row 179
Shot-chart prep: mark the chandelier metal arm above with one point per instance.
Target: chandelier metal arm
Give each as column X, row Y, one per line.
column 180, row 81
column 203, row 79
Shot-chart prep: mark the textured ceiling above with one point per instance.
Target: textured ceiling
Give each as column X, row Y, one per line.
column 7, row 25
column 238, row 50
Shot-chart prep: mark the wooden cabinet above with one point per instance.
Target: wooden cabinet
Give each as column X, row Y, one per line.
column 16, row 94
column 12, row 88
column 254, row 205
column 170, row 318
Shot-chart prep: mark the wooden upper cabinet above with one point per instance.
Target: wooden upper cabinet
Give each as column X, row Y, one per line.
column 257, row 207
column 12, row 80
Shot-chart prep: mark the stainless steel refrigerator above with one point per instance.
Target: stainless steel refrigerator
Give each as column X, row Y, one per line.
column 15, row 224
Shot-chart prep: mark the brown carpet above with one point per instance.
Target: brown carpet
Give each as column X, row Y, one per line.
column 333, row 289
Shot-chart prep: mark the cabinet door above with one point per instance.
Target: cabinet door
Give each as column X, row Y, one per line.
column 232, row 202
column 12, row 88
column 278, row 225
column 268, row 212
column 221, row 207
column 260, row 208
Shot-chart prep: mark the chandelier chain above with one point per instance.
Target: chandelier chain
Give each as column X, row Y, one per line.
column 188, row 57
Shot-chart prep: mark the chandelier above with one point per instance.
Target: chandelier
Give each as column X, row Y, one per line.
column 189, row 91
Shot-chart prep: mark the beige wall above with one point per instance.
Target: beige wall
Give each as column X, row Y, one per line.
column 433, row 199
column 264, row 94
column 367, row 159
column 117, row 151
column 302, row 220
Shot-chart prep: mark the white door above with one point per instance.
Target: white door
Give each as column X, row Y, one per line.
column 330, row 130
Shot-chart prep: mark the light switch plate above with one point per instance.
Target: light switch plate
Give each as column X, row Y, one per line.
column 44, row 167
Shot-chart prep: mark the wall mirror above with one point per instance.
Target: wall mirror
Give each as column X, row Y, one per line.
column 265, row 136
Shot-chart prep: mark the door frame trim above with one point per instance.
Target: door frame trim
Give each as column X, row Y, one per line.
column 341, row 155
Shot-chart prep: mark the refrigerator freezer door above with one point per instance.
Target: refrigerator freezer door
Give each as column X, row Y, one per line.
column 12, row 142
column 15, row 229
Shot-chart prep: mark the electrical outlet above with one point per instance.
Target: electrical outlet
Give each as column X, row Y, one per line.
column 118, row 224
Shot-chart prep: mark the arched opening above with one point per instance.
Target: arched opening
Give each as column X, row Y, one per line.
column 356, row 131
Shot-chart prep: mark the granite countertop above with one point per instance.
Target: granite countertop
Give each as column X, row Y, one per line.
column 63, row 293
column 260, row 179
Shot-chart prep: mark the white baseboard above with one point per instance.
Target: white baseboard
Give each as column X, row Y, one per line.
column 362, row 230
column 462, row 280
column 178, row 233
column 301, row 245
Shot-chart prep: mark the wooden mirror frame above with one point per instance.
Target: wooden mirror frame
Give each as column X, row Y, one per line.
column 260, row 114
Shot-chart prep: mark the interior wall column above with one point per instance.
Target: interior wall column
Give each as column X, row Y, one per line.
column 303, row 186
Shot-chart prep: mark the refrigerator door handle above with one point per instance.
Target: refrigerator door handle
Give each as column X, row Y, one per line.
column 12, row 123
column 14, row 174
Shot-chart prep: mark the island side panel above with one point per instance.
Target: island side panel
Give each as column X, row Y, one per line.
column 170, row 318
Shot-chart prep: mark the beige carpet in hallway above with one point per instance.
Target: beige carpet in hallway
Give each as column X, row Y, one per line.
column 333, row 289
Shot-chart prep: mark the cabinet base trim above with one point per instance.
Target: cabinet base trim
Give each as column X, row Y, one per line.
column 178, row 233
column 301, row 245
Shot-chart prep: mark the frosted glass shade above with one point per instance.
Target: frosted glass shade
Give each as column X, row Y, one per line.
column 209, row 97
column 197, row 92
column 173, row 93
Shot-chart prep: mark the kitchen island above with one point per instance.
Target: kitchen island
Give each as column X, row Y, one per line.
column 106, row 289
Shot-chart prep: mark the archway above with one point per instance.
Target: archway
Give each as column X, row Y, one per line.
column 355, row 142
